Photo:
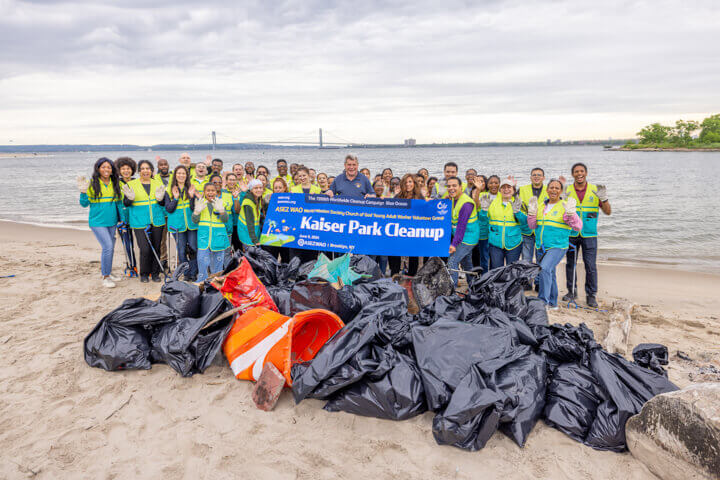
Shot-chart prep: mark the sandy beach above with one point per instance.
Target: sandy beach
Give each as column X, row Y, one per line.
column 60, row 418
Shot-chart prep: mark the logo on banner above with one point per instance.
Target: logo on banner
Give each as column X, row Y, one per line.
column 442, row 208
column 300, row 242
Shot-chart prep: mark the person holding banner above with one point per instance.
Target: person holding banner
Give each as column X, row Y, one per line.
column 465, row 227
column 248, row 226
column 504, row 217
column 409, row 190
column 305, row 184
column 350, row 183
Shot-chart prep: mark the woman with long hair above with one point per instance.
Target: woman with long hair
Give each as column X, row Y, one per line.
column 102, row 194
column 322, row 181
column 210, row 215
column 248, row 226
column 409, row 190
column 143, row 197
column 179, row 205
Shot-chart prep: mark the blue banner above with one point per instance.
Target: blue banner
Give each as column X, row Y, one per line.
column 370, row 226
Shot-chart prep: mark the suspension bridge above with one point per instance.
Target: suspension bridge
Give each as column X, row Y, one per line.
column 321, row 139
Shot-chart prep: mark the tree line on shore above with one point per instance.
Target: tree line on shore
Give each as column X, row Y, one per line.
column 681, row 135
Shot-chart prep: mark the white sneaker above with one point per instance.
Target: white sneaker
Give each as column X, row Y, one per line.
column 548, row 307
column 107, row 283
column 114, row 278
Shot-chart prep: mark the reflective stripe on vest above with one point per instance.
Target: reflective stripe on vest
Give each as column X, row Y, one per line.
column 551, row 230
column 472, row 229
column 526, row 193
column 145, row 209
column 504, row 228
column 181, row 219
column 242, row 226
column 107, row 193
column 588, row 209
column 299, row 189
column 211, row 232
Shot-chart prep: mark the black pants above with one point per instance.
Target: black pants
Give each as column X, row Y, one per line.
column 235, row 241
column 396, row 262
column 589, row 255
column 148, row 263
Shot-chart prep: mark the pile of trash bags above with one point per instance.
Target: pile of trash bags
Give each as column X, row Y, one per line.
column 177, row 330
column 482, row 362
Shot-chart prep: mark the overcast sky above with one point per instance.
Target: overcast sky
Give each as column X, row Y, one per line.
column 164, row 71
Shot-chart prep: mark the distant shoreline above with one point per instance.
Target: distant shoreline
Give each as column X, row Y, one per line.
column 659, row 149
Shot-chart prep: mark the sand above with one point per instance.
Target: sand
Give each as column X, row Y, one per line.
column 60, row 418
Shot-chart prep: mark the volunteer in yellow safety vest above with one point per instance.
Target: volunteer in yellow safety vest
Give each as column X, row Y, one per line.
column 304, row 184
column 143, row 197
column 210, row 215
column 465, row 226
column 552, row 221
column 179, row 204
column 590, row 200
column 536, row 189
column 504, row 217
column 440, row 188
column 248, row 226
column 481, row 252
column 200, row 178
column 102, row 194
column 282, row 170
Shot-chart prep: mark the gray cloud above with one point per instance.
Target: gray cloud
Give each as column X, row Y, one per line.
column 265, row 66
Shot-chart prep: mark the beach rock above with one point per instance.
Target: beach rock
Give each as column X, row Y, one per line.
column 677, row 434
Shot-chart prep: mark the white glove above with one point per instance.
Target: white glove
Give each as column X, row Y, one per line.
column 602, row 193
column 83, row 184
column 485, row 202
column 570, row 206
column 128, row 192
column 160, row 193
column 218, row 205
column 200, row 205
column 532, row 206
column 517, row 204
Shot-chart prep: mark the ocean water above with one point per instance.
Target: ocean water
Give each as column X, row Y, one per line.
column 663, row 209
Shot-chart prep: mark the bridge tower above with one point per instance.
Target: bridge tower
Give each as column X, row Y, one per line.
column 213, row 140
column 320, row 136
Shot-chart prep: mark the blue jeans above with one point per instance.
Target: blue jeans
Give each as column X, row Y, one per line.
column 589, row 256
column 528, row 248
column 499, row 257
column 207, row 258
column 462, row 256
column 106, row 237
column 187, row 240
column 481, row 255
column 548, row 291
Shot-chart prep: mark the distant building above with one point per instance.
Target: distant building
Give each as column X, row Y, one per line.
column 549, row 141
column 410, row 142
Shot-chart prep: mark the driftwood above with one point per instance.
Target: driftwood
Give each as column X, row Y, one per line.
column 616, row 340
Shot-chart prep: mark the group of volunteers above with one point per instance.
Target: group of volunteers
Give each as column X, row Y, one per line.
column 211, row 213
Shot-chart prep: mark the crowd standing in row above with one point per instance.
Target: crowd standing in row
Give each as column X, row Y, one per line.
column 211, row 213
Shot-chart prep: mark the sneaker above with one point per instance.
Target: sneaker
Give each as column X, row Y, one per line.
column 107, row 283
column 114, row 278
column 591, row 302
column 552, row 307
column 569, row 297
column 156, row 278
column 144, row 279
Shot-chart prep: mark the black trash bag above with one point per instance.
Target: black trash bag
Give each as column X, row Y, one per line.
column 627, row 387
column 310, row 294
column 331, row 358
column 365, row 265
column 185, row 345
column 281, row 297
column 535, row 313
column 523, row 384
column 445, row 351
column 568, row 343
column 494, row 317
column 182, row 297
column 503, row 287
column 652, row 356
column 472, row 415
column 391, row 387
column 305, row 268
column 572, row 399
column 447, row 308
column 431, row 281
column 121, row 339
column 263, row 263
column 382, row 290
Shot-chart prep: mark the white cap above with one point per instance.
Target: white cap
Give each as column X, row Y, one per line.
column 254, row 183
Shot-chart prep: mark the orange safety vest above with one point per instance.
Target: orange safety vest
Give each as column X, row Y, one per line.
column 261, row 335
